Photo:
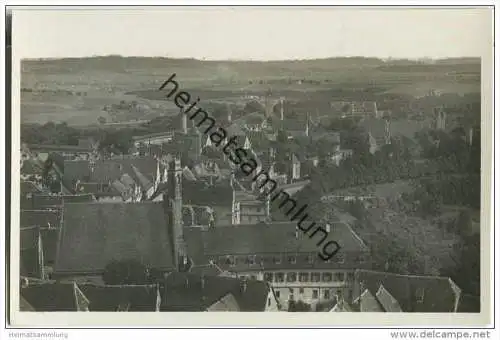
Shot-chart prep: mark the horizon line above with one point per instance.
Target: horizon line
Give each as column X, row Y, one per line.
column 383, row 59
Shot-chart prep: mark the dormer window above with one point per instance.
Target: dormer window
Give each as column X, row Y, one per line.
column 251, row 260
column 292, row 259
column 229, row 260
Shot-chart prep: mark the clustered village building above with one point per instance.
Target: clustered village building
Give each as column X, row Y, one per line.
column 178, row 206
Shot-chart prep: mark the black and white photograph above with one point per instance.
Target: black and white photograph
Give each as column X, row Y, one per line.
column 252, row 159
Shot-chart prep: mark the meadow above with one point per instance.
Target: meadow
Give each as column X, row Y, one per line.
column 77, row 89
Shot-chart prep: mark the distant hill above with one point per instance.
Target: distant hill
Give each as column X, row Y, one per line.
column 77, row 89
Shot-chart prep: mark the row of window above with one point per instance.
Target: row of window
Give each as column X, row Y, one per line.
column 309, row 277
column 231, row 260
column 327, row 294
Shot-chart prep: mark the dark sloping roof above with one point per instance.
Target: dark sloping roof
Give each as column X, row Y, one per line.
column 94, row 234
column 206, row 270
column 469, row 304
column 49, row 242
column 29, row 255
column 76, row 170
column 191, row 292
column 109, row 170
column 31, row 167
column 194, row 244
column 28, row 187
column 42, row 218
column 24, row 305
column 50, row 297
column 368, row 303
column 140, row 298
column 388, row 302
column 274, row 238
column 104, row 171
column 438, row 293
column 56, row 201
column 198, row 193
column 48, row 148
column 196, row 215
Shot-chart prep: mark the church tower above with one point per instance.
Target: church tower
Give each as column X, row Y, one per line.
column 173, row 200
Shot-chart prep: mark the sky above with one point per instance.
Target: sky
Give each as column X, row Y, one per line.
column 252, row 33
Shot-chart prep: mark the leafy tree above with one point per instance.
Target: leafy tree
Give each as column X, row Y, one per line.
column 119, row 141
column 101, row 120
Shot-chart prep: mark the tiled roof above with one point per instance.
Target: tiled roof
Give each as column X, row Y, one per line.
column 42, row 218
column 140, row 298
column 368, row 303
column 94, row 234
column 50, row 297
column 178, row 292
column 190, row 292
column 104, row 171
column 272, row 238
column 388, row 302
column 439, row 294
column 109, row 170
column 206, row 270
column 76, row 170
column 198, row 193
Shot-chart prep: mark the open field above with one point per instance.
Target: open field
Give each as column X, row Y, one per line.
column 77, row 89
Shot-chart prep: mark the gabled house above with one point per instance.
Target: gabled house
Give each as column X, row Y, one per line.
column 176, row 293
column 128, row 179
column 396, row 293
